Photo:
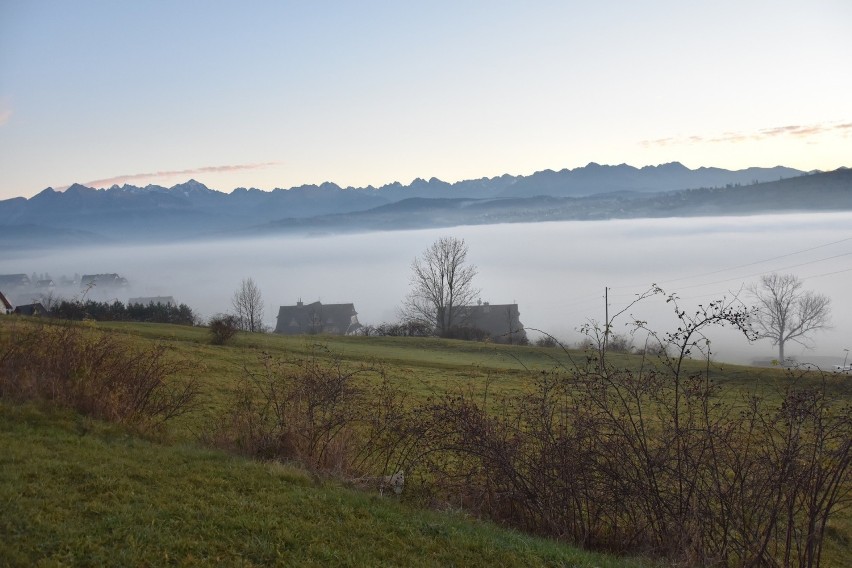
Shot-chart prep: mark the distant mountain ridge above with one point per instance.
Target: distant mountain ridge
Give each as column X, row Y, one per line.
column 831, row 191
column 190, row 209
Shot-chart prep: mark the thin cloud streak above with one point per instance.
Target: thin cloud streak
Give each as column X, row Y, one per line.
column 162, row 174
column 5, row 115
column 795, row 131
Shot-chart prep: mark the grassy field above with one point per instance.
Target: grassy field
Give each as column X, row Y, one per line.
column 80, row 492
column 425, row 366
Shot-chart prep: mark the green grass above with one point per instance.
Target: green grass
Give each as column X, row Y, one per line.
column 74, row 491
column 424, row 354
column 79, row 492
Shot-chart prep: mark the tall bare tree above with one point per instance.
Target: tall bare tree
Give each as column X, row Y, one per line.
column 785, row 312
column 248, row 306
column 441, row 284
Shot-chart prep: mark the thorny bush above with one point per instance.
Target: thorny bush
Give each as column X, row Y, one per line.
column 94, row 373
column 316, row 411
column 654, row 460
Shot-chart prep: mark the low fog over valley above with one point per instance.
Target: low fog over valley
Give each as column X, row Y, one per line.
column 556, row 272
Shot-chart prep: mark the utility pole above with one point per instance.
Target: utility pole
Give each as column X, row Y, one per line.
column 606, row 325
column 606, row 315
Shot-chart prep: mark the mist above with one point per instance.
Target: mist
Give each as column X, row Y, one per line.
column 556, row 272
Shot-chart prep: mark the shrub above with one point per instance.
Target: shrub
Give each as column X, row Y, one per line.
column 93, row 373
column 546, row 341
column 399, row 329
column 223, row 327
column 315, row 411
column 467, row 333
column 654, row 461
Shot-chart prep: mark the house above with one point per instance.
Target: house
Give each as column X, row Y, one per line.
column 45, row 284
column 332, row 319
column 500, row 321
column 153, row 301
column 12, row 281
column 36, row 309
column 102, row 281
column 5, row 306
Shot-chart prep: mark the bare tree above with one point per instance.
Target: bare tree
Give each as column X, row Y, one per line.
column 441, row 284
column 248, row 306
column 785, row 312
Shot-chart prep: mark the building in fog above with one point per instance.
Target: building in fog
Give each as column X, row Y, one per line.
column 102, row 281
column 501, row 322
column 5, row 307
column 10, row 282
column 36, row 309
column 315, row 318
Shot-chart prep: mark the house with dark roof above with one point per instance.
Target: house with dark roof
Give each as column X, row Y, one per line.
column 5, row 306
column 102, row 280
column 36, row 309
column 500, row 321
column 11, row 281
column 332, row 319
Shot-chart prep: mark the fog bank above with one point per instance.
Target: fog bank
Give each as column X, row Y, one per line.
column 556, row 272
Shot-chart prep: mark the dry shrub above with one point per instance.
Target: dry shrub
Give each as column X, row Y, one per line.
column 223, row 327
column 94, row 373
column 314, row 410
column 654, row 461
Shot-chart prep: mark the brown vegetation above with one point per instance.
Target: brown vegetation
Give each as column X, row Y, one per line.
column 350, row 422
column 223, row 327
column 94, row 373
column 651, row 459
column 654, row 461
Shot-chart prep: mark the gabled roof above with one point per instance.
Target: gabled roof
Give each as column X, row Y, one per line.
column 4, row 303
column 111, row 279
column 30, row 310
column 13, row 280
column 336, row 319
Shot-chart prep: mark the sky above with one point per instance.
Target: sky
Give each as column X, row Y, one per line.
column 279, row 94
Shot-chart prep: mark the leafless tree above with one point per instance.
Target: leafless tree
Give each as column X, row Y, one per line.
column 441, row 284
column 785, row 312
column 248, row 306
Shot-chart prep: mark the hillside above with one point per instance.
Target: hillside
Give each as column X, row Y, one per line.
column 79, row 491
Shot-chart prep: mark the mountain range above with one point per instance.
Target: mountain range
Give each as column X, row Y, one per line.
column 189, row 210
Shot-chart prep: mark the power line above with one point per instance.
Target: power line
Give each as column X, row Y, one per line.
column 766, row 271
column 828, row 274
column 746, row 265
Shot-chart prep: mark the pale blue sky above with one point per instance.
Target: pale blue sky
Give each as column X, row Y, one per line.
column 277, row 94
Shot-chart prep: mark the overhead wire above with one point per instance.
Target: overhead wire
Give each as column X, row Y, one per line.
column 588, row 299
column 746, row 265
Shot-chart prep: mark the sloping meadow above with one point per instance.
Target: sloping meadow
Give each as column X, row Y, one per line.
column 658, row 455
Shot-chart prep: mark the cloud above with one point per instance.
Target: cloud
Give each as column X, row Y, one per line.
column 794, row 130
column 105, row 182
column 5, row 115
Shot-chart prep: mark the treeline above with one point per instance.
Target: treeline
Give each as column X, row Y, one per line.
column 118, row 311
